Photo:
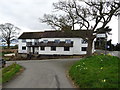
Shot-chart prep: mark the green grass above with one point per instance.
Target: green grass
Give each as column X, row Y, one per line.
column 99, row 71
column 9, row 72
column 1, row 54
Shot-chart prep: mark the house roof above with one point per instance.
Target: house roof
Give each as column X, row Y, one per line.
column 55, row 34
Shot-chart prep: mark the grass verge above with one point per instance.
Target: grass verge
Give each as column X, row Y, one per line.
column 9, row 72
column 99, row 71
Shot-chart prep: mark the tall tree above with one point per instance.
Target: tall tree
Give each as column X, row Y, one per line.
column 57, row 22
column 90, row 15
column 9, row 32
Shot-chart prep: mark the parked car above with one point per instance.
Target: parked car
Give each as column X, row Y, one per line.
column 2, row 63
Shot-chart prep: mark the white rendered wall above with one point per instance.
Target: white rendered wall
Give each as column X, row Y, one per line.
column 23, row 44
column 59, row 51
column 75, row 50
column 20, row 45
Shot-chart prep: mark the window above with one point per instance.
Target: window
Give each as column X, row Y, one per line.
column 84, row 41
column 23, row 48
column 36, row 40
column 45, row 41
column 66, row 48
column 53, row 48
column 42, row 48
column 36, row 43
column 67, row 41
column 84, row 48
column 23, row 40
column 57, row 41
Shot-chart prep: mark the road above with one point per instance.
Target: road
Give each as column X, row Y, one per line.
column 114, row 53
column 43, row 74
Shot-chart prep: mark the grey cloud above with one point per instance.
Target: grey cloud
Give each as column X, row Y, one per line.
column 25, row 12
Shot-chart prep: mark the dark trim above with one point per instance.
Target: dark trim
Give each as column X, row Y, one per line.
column 23, row 47
column 50, row 44
column 53, row 48
column 66, row 48
column 83, row 48
column 42, row 48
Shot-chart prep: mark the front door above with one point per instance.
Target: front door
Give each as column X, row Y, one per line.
column 36, row 50
column 29, row 50
column 33, row 49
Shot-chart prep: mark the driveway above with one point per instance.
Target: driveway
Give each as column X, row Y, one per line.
column 43, row 74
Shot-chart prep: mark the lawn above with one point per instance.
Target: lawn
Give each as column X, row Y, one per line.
column 98, row 71
column 9, row 72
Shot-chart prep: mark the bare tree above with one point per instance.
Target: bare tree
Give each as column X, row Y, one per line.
column 101, row 13
column 90, row 15
column 9, row 32
column 57, row 22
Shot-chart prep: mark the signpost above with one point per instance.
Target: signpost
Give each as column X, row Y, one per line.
column 101, row 35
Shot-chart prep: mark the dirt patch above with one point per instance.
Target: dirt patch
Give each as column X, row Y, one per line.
column 9, row 50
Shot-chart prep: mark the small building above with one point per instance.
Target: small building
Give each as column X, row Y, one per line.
column 54, row 42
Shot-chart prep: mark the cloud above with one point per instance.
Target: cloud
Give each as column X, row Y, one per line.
column 25, row 13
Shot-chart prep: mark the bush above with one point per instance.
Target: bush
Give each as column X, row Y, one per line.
column 99, row 71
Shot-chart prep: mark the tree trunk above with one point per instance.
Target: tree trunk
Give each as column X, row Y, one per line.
column 8, row 44
column 89, row 48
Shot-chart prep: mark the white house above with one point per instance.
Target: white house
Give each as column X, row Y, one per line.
column 53, row 42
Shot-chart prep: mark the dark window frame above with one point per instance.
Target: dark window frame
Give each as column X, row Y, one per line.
column 53, row 48
column 57, row 40
column 45, row 41
column 84, row 41
column 83, row 48
column 68, row 41
column 23, row 48
column 42, row 48
column 66, row 48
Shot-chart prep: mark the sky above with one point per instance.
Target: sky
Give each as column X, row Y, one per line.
column 25, row 14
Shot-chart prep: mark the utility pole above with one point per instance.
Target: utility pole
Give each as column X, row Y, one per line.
column 105, row 44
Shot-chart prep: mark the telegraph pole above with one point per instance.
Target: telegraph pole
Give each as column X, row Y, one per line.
column 105, row 43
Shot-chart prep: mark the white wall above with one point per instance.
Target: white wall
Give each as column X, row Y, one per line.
column 76, row 49
column 20, row 45
column 59, row 51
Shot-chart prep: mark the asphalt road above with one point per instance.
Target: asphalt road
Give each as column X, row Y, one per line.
column 43, row 74
column 115, row 53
